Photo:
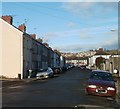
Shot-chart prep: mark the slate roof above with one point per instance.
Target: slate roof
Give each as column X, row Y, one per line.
column 101, row 53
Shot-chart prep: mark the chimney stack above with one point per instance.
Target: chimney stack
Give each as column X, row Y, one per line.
column 101, row 49
column 46, row 44
column 22, row 27
column 56, row 51
column 40, row 40
column 33, row 36
column 8, row 19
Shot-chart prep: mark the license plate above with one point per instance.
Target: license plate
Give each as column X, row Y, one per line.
column 101, row 91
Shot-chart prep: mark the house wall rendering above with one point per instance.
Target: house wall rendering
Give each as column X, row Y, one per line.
column 12, row 50
column 1, row 48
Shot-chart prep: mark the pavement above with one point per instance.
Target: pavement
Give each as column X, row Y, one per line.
column 14, row 82
column 118, row 90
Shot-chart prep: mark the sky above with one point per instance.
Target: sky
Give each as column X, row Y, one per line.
column 68, row 26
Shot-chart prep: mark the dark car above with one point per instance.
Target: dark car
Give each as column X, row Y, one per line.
column 57, row 70
column 101, row 83
column 64, row 68
column 83, row 67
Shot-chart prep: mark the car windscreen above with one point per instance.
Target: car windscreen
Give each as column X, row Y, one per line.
column 42, row 70
column 101, row 76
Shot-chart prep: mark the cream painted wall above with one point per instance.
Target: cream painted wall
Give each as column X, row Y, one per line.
column 0, row 48
column 12, row 50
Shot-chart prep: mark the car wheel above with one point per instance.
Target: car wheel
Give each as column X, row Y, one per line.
column 52, row 76
column 114, row 97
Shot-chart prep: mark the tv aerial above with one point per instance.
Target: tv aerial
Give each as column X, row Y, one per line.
column 13, row 15
column 25, row 21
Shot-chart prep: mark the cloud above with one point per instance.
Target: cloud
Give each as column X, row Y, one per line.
column 85, row 35
column 83, row 39
column 75, row 48
column 81, row 34
column 76, row 8
column 48, row 36
column 90, row 9
column 69, row 48
column 110, row 44
column 71, row 24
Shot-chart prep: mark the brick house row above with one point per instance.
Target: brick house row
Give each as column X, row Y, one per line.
column 21, row 52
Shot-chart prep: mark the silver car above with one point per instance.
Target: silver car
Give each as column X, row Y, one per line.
column 44, row 73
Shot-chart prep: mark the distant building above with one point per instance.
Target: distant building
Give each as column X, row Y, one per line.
column 97, row 61
column 104, row 60
column 78, row 61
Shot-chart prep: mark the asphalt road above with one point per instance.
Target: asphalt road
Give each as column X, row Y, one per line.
column 64, row 90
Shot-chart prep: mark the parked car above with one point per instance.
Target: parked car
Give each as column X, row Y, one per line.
column 44, row 73
column 82, row 67
column 101, row 83
column 57, row 70
column 69, row 66
column 64, row 68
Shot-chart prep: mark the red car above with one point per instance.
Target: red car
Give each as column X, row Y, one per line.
column 101, row 83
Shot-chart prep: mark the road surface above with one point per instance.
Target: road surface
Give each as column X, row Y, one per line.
column 64, row 90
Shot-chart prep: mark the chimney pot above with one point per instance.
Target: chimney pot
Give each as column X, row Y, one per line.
column 8, row 19
column 33, row 36
column 40, row 40
column 22, row 27
column 46, row 44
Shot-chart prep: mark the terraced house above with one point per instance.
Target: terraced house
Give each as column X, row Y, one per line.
column 21, row 52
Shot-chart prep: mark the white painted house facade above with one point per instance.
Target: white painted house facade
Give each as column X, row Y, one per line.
column 11, row 50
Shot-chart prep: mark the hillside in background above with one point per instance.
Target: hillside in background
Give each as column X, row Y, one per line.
column 89, row 53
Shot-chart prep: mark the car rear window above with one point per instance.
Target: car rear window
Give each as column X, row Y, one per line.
column 101, row 76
